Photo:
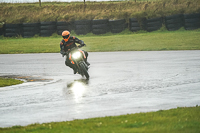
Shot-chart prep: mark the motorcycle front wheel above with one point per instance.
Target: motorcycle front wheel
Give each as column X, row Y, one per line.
column 83, row 67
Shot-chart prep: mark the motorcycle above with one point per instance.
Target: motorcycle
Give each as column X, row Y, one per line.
column 78, row 58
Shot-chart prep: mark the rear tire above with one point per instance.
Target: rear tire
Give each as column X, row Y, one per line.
column 84, row 70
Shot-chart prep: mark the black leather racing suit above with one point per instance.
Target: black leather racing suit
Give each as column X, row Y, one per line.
column 66, row 45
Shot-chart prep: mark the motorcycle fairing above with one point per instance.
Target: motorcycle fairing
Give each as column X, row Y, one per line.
column 70, row 56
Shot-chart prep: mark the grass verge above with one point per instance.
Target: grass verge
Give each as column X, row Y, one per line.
column 8, row 81
column 125, row 41
column 179, row 120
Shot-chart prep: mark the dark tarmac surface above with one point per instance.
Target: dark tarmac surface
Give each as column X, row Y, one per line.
column 120, row 83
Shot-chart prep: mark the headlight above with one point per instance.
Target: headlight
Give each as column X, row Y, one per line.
column 76, row 55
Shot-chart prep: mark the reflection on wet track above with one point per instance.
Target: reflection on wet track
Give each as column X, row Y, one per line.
column 78, row 88
column 120, row 83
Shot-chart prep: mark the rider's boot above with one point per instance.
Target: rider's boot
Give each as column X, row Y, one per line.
column 87, row 62
column 66, row 63
column 71, row 66
column 86, row 54
column 75, row 70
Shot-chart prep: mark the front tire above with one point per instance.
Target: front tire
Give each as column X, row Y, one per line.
column 84, row 69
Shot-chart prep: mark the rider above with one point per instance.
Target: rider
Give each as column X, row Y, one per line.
column 66, row 44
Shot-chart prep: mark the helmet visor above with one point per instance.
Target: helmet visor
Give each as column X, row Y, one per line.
column 65, row 37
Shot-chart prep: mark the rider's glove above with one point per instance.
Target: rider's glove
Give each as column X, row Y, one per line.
column 82, row 45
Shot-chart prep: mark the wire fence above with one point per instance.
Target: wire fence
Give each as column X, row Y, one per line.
column 36, row 1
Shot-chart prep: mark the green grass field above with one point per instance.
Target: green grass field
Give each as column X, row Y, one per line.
column 70, row 11
column 125, row 41
column 8, row 82
column 179, row 120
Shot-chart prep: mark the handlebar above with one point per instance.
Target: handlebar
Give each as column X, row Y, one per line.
column 65, row 53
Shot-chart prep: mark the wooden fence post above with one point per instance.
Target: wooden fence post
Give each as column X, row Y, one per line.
column 40, row 2
column 84, row 6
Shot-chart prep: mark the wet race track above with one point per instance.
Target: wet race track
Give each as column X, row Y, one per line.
column 120, row 83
